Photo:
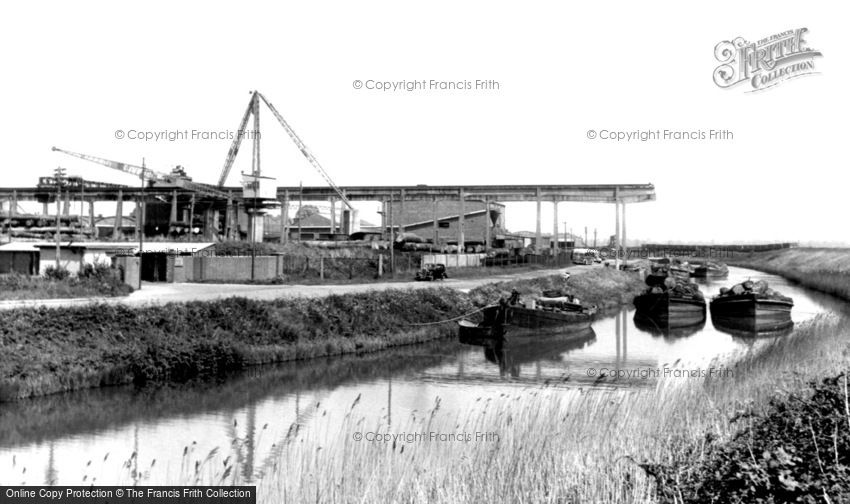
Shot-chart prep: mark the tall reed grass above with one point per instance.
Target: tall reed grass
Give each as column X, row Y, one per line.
column 555, row 442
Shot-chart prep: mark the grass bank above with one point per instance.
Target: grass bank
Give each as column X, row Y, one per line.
column 49, row 350
column 823, row 269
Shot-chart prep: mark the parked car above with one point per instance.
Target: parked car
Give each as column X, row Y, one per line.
column 432, row 272
column 585, row 256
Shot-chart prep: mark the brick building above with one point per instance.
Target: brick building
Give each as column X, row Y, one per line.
column 418, row 217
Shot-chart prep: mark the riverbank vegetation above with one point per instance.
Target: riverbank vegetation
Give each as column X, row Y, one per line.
column 48, row 350
column 93, row 281
column 823, row 269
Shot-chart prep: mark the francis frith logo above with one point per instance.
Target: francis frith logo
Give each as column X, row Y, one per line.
column 766, row 63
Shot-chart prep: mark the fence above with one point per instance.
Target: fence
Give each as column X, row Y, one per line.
column 268, row 268
column 293, row 268
column 482, row 260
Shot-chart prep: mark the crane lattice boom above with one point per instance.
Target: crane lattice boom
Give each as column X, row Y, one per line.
column 147, row 173
column 253, row 108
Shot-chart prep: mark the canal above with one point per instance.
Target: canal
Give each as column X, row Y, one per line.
column 157, row 435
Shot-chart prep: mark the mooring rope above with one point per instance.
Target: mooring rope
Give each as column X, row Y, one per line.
column 451, row 319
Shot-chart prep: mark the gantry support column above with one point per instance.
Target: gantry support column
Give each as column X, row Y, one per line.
column 555, row 228
column 119, row 216
column 461, row 242
column 208, row 223
column 436, row 226
column 538, row 237
column 137, row 212
column 333, row 215
column 401, row 213
column 91, row 216
column 384, row 220
column 617, row 228
column 192, row 215
column 487, row 223
column 228, row 218
column 284, row 218
column 173, row 216
column 625, row 246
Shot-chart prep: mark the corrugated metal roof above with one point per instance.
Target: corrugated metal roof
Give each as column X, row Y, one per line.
column 133, row 247
column 18, row 247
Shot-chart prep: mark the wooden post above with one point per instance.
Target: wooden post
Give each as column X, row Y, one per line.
column 380, row 265
column 322, row 267
column 119, row 216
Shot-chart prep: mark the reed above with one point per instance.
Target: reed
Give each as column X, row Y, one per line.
column 555, row 443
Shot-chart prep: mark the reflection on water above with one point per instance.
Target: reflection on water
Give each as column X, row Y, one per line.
column 664, row 329
column 90, row 436
column 510, row 356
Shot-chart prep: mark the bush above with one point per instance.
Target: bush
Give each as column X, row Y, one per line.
column 93, row 280
column 98, row 271
column 797, row 450
column 57, row 273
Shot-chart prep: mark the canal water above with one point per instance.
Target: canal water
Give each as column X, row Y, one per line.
column 153, row 435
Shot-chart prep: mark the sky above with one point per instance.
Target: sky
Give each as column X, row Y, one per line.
column 74, row 73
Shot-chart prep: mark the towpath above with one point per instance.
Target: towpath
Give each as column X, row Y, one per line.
column 161, row 293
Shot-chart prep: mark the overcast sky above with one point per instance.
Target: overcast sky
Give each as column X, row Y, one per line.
column 74, row 73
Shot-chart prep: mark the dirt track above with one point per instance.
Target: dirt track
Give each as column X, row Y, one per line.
column 160, row 293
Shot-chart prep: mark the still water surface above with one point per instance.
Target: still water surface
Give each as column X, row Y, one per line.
column 89, row 436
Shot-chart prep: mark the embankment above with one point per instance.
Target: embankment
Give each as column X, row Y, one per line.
column 49, row 350
column 823, row 269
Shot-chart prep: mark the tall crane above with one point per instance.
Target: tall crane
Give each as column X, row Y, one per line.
column 149, row 174
column 253, row 109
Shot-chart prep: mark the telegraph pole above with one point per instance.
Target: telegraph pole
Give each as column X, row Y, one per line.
column 141, row 221
column 59, row 174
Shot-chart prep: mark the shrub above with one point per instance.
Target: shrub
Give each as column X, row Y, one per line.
column 56, row 273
